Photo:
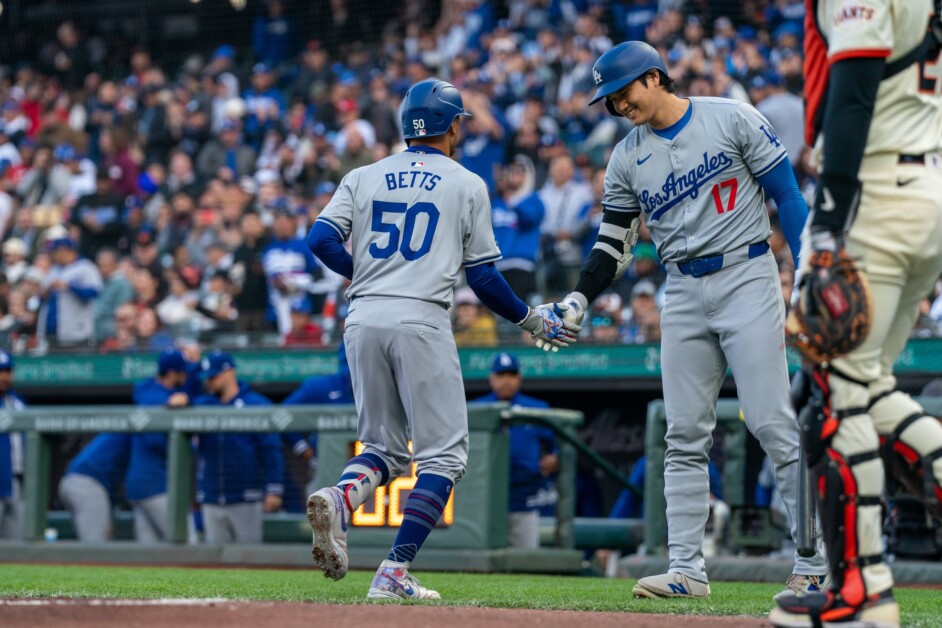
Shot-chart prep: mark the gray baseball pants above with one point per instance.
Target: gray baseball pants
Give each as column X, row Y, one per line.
column 734, row 317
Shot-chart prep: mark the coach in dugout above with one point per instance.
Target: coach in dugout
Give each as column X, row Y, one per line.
column 145, row 484
column 533, row 456
column 11, row 457
column 238, row 475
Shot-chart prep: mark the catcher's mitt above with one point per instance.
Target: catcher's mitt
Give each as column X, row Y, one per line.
column 833, row 313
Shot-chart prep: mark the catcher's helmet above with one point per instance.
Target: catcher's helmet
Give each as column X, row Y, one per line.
column 621, row 65
column 429, row 108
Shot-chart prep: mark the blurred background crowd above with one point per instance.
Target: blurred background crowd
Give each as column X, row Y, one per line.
column 153, row 192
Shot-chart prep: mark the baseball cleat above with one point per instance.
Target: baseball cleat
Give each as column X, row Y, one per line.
column 327, row 512
column 801, row 585
column 670, row 585
column 823, row 609
column 393, row 582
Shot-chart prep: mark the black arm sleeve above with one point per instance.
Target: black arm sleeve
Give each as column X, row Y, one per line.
column 599, row 269
column 852, row 93
column 596, row 274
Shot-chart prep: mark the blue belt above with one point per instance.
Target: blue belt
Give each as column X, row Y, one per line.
column 707, row 265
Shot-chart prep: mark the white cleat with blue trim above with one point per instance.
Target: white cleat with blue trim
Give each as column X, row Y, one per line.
column 328, row 514
column 670, row 585
column 393, row 582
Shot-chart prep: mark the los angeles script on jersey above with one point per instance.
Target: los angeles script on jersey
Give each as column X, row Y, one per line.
column 676, row 188
column 412, row 179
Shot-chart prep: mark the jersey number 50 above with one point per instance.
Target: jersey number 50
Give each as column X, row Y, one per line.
column 402, row 241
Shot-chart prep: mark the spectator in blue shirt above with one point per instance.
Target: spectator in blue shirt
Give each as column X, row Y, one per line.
column 274, row 36
column 483, row 142
column 533, row 456
column 264, row 105
column 516, row 215
column 290, row 268
column 238, row 475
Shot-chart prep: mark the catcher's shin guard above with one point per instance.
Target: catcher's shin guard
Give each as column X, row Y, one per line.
column 912, row 453
column 848, row 489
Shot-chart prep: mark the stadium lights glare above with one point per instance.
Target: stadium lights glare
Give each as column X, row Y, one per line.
column 238, row 5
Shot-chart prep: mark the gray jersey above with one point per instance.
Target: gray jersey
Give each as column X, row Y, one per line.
column 414, row 219
column 698, row 192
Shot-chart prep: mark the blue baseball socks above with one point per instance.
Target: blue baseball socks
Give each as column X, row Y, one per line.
column 423, row 509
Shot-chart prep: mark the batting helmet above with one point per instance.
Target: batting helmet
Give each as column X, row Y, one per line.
column 621, row 65
column 429, row 108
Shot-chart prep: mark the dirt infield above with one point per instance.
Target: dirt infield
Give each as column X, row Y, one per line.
column 61, row 613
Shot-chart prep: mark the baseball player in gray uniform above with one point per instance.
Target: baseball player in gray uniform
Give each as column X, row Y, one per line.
column 694, row 169
column 414, row 219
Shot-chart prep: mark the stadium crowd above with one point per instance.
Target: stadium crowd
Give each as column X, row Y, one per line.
column 141, row 202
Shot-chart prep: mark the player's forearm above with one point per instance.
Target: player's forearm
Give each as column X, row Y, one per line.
column 780, row 184
column 494, row 292
column 327, row 245
column 598, row 271
column 852, row 93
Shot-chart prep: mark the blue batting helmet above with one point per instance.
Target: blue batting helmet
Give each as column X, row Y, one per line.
column 429, row 108
column 621, row 65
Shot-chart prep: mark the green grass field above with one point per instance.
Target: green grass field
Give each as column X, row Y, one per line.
column 920, row 607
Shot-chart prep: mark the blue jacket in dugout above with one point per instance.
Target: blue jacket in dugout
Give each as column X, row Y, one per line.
column 147, row 467
column 528, row 443
column 105, row 459
column 237, row 467
column 11, row 401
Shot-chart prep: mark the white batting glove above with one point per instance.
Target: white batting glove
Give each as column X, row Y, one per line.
column 571, row 310
column 549, row 329
column 631, row 238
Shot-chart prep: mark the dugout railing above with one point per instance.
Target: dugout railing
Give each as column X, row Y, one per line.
column 480, row 506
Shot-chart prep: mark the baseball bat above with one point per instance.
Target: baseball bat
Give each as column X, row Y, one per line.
column 806, row 510
column 800, row 394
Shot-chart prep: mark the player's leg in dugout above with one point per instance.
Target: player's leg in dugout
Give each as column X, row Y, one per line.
column 523, row 529
column 150, row 518
column 245, row 519
column 11, row 513
column 749, row 318
column 692, row 368
column 216, row 526
column 88, row 501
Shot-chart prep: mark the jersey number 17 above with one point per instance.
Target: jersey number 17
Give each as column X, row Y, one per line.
column 719, row 190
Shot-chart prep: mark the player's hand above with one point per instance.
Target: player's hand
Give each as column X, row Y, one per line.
column 631, row 238
column 178, row 400
column 546, row 326
column 272, row 503
column 572, row 310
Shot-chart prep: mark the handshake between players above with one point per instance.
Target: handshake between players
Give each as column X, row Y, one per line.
column 571, row 310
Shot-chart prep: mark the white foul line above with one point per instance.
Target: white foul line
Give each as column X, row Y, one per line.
column 105, row 602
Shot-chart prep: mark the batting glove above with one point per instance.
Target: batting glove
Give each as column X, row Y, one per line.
column 571, row 310
column 550, row 331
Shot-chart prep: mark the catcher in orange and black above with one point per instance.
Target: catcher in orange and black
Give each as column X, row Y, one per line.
column 876, row 242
